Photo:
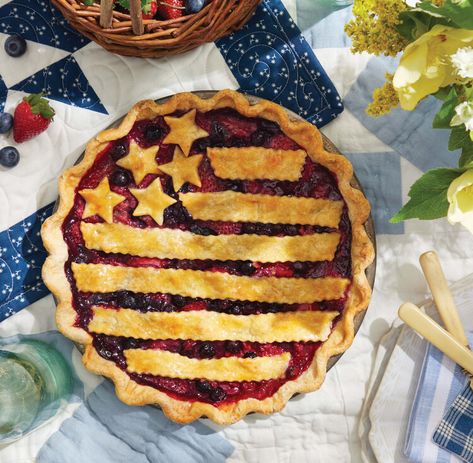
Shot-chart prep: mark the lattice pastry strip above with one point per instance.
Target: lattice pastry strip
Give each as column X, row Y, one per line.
column 256, row 163
column 202, row 325
column 232, row 206
column 171, row 365
column 213, row 285
column 177, row 244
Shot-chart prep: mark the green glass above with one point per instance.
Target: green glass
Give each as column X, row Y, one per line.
column 35, row 380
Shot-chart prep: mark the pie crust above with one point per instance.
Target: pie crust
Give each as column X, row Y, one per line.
column 177, row 244
column 163, row 363
column 201, row 325
column 234, row 207
column 255, row 162
column 98, row 278
column 362, row 254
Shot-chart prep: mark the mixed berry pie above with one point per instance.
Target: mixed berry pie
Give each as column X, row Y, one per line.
column 210, row 255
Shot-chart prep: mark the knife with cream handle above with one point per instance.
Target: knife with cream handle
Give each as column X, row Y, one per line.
column 435, row 334
column 443, row 298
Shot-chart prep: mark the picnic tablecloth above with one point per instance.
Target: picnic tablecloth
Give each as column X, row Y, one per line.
column 388, row 153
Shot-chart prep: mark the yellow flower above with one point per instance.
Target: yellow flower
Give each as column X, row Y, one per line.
column 460, row 197
column 374, row 27
column 426, row 64
column 384, row 99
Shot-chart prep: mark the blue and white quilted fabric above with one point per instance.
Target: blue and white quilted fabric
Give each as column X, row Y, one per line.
column 90, row 88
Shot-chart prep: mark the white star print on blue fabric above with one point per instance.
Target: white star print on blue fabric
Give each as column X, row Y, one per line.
column 3, row 94
column 271, row 59
column 63, row 81
column 21, row 258
column 40, row 22
column 268, row 57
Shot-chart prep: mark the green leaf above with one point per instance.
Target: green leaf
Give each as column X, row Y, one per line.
column 416, row 22
column 458, row 11
column 447, row 111
column 458, row 138
column 442, row 93
column 145, row 4
column 466, row 158
column 428, row 196
column 88, row 2
column 39, row 105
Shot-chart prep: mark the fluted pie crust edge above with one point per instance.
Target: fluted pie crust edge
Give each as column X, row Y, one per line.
column 362, row 253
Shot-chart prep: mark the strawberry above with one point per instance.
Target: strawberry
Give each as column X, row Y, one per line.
column 32, row 117
column 149, row 10
column 171, row 9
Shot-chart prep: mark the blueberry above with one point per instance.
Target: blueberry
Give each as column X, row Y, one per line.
column 217, row 394
column 235, row 187
column 270, row 126
column 299, row 268
column 259, row 138
column 203, row 386
column 194, row 6
column 291, row 373
column 15, row 46
column 233, row 346
column 132, row 343
column 202, row 144
column 179, row 301
column 198, row 230
column 237, row 142
column 246, row 268
column 118, row 151
column 6, row 122
column 249, row 228
column 167, row 308
column 235, row 310
column 206, row 350
column 290, row 230
column 153, row 132
column 120, row 178
column 128, row 300
column 82, row 255
column 218, row 133
column 9, row 156
column 250, row 355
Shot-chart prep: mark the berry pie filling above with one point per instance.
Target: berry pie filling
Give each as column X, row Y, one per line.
column 226, row 128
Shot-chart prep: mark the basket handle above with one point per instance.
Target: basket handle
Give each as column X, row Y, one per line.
column 106, row 13
column 136, row 18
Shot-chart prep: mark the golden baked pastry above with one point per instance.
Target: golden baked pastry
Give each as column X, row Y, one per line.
column 210, row 255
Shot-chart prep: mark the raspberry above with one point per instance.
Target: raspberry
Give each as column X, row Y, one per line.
column 227, row 228
column 282, row 142
column 278, row 269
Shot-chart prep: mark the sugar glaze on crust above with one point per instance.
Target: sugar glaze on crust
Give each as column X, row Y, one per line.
column 362, row 254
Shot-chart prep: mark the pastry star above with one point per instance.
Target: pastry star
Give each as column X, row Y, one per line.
column 184, row 131
column 152, row 201
column 101, row 201
column 141, row 161
column 183, row 169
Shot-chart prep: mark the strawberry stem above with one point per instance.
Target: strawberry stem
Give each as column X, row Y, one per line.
column 40, row 105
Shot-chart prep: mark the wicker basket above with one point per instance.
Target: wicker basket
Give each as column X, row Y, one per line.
column 130, row 35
